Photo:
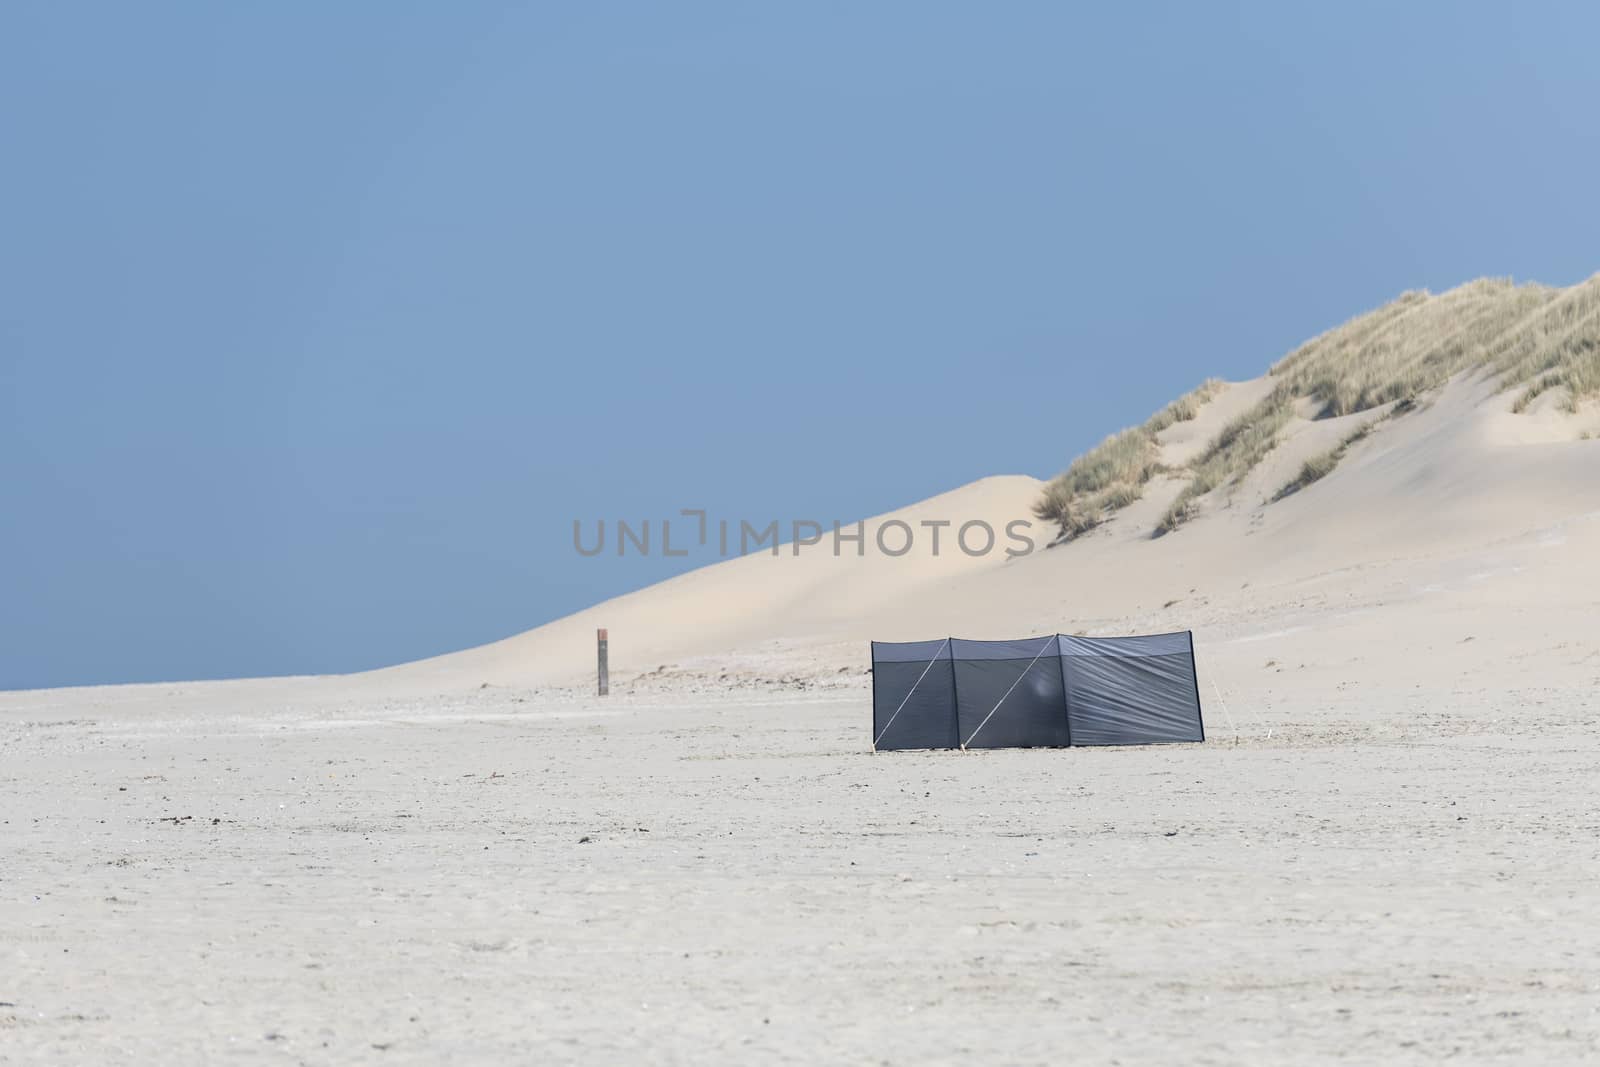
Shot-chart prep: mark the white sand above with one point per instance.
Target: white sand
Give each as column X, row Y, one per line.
column 1391, row 853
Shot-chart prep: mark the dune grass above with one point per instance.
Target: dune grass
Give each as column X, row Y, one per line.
column 1533, row 339
column 1530, row 336
column 1113, row 474
column 1230, row 455
column 1321, row 465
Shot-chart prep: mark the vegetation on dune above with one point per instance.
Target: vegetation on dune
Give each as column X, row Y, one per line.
column 1235, row 451
column 1531, row 338
column 1419, row 342
column 1113, row 474
column 1186, row 407
column 1321, row 465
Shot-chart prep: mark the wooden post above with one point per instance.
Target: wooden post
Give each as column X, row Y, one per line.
column 605, row 669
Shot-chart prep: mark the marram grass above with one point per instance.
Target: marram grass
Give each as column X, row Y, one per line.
column 1533, row 339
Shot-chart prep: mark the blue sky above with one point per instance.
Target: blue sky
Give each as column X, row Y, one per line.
column 319, row 324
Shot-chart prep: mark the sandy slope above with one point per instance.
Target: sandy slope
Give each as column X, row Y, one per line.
column 811, row 594
column 1434, row 489
column 1388, row 850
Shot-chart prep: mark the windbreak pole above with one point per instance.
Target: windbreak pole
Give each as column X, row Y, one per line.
column 604, row 667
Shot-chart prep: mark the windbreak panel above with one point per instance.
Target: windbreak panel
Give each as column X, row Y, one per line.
column 1025, row 649
column 910, row 651
column 1037, row 692
column 1010, row 694
column 1176, row 644
column 1131, row 691
column 913, row 699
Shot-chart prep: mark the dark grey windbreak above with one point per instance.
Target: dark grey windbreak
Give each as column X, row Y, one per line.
column 1048, row 691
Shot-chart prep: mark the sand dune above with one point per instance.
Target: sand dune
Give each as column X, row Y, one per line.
column 1385, row 852
column 1463, row 472
column 807, row 594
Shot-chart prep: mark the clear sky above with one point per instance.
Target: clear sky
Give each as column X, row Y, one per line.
column 320, row 323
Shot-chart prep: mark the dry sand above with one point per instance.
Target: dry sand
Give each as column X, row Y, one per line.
column 1388, row 849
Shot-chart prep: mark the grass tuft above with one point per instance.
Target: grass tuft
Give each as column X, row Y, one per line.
column 1321, row 465
column 1232, row 454
column 1113, row 474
